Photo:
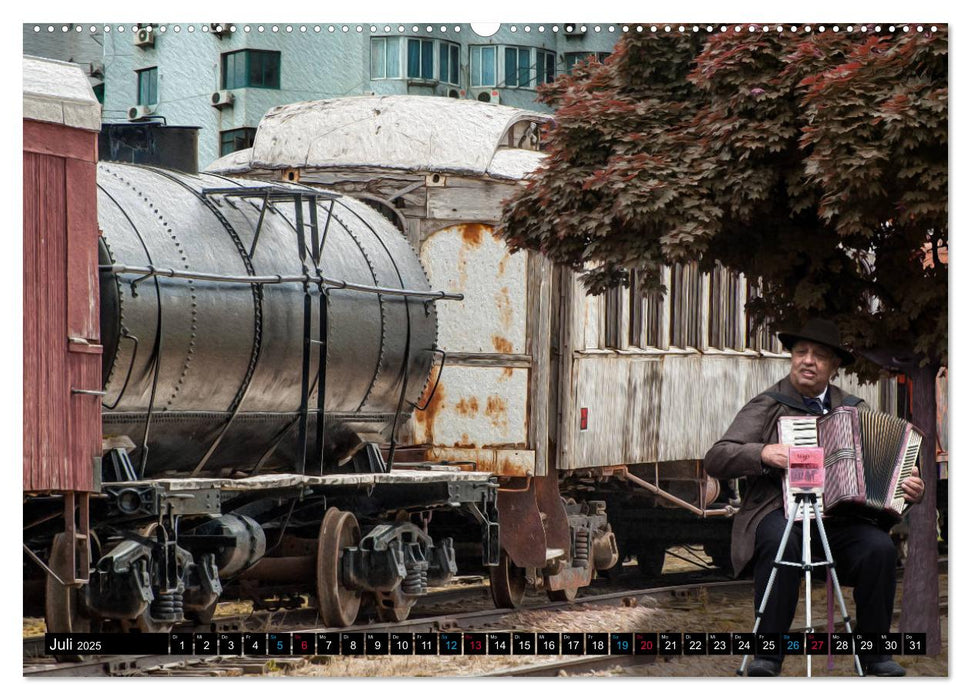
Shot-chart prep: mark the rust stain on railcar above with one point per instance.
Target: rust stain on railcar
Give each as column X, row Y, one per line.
column 501, row 344
column 467, row 407
column 425, row 420
column 501, row 462
column 504, row 305
column 496, row 410
column 472, row 234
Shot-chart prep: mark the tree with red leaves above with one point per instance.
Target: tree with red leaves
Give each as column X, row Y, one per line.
column 816, row 162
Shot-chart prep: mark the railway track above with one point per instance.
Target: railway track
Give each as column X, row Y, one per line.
column 36, row 664
column 593, row 664
column 303, row 621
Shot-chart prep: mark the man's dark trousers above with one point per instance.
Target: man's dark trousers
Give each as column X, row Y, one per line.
column 865, row 558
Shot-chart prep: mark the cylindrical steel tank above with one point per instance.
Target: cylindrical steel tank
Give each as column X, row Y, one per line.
column 211, row 371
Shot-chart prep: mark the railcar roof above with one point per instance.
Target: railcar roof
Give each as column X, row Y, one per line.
column 399, row 132
column 59, row 93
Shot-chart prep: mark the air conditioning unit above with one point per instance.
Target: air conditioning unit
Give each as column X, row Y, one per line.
column 491, row 96
column 574, row 29
column 145, row 38
column 220, row 29
column 139, row 112
column 222, row 98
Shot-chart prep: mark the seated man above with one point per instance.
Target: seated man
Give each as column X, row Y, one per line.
column 864, row 554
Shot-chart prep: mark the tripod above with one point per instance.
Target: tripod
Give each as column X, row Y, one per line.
column 804, row 501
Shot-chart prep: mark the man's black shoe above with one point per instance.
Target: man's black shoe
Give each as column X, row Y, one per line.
column 765, row 667
column 886, row 668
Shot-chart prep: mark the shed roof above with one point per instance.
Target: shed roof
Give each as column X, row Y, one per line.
column 400, row 132
column 58, row 92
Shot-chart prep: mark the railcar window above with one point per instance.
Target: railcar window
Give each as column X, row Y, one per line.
column 148, row 86
column 685, row 294
column 635, row 320
column 758, row 336
column 724, row 310
column 612, row 316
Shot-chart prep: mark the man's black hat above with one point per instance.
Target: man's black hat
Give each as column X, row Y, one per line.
column 819, row 331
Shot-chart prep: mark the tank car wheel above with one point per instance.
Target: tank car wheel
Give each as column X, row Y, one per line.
column 564, row 595
column 62, row 604
column 507, row 582
column 394, row 606
column 650, row 559
column 338, row 606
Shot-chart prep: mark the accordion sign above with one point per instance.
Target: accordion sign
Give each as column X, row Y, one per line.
column 866, row 456
column 806, row 471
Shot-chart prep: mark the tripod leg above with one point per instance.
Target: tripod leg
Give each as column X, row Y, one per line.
column 768, row 589
column 836, row 584
column 807, row 562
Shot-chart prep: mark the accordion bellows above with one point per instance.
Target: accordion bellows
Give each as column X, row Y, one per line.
column 868, row 455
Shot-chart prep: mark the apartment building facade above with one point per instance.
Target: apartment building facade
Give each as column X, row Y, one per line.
column 223, row 77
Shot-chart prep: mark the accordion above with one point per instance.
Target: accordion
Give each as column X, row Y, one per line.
column 867, row 457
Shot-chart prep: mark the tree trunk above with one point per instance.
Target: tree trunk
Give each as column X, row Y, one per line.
column 921, row 596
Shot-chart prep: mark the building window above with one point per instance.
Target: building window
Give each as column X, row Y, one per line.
column 235, row 140
column 573, row 58
column 385, row 57
column 148, row 86
column 251, row 68
column 545, row 67
column 448, row 62
column 517, row 65
column 421, row 59
column 482, row 66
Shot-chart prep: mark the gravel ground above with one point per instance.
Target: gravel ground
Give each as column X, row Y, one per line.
column 711, row 611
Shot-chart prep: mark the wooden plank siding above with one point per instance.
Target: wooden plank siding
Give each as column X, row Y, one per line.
column 62, row 430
